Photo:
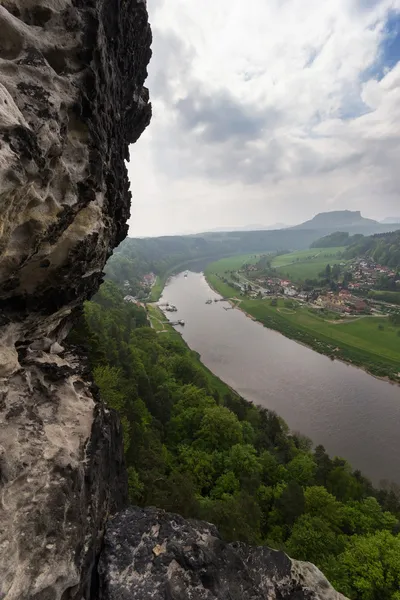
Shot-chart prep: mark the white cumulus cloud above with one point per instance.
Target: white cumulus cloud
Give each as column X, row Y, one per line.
column 267, row 111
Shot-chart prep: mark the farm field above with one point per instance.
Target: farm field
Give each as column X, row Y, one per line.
column 306, row 264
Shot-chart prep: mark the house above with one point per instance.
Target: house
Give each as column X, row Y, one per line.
column 359, row 305
column 344, row 294
column 289, row 291
column 303, row 296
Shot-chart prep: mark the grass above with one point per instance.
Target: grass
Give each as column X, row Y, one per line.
column 157, row 317
column 157, row 288
column 306, row 264
column 385, row 296
column 359, row 340
column 233, row 263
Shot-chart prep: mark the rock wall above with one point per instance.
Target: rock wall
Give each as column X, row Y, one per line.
column 152, row 555
column 71, row 100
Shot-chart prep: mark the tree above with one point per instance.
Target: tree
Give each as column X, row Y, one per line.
column 272, row 471
column 313, row 540
column 227, row 483
column 347, row 277
column 219, row 429
column 366, row 517
column 328, row 271
column 342, row 484
column 372, row 566
column 324, row 465
column 302, row 469
column 109, row 379
column 291, row 503
column 320, row 503
column 394, row 318
column 135, row 486
column 335, row 271
column 243, row 461
column 237, row 516
column 187, row 414
column 200, row 464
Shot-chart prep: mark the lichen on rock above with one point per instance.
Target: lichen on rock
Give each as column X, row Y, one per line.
column 72, row 98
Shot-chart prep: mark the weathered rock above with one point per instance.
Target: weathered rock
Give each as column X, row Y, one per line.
column 150, row 554
column 71, row 100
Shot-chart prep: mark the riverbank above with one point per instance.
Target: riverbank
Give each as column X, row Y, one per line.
column 158, row 323
column 365, row 343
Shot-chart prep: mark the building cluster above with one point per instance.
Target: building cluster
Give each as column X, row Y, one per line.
column 365, row 274
column 342, row 301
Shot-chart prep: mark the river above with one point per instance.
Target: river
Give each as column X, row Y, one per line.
column 351, row 413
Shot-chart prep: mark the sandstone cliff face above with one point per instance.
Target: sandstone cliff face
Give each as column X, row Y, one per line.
column 152, row 555
column 71, row 100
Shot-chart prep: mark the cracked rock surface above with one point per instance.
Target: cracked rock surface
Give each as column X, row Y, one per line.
column 151, row 554
column 72, row 98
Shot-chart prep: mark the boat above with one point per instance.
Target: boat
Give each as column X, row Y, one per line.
column 185, row 274
column 209, row 301
column 181, row 322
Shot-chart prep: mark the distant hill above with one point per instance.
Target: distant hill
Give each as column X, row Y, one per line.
column 339, row 220
column 338, row 238
column 390, row 220
column 383, row 248
column 256, row 227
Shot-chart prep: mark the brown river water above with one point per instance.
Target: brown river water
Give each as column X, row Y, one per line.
column 351, row 413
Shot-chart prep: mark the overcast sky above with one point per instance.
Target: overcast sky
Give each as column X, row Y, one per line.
column 268, row 111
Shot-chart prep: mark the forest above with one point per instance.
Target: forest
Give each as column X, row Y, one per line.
column 195, row 447
column 338, row 238
column 382, row 248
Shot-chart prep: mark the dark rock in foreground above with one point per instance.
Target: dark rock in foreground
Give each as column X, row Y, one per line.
column 150, row 554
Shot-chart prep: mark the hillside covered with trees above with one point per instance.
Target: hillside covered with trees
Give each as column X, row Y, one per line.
column 338, row 238
column 383, row 248
column 195, row 447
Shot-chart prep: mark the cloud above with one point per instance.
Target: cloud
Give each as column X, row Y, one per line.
column 268, row 111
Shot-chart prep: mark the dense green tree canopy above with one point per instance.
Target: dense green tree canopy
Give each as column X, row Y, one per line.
column 195, row 447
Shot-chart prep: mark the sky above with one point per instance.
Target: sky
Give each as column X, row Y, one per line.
column 268, row 111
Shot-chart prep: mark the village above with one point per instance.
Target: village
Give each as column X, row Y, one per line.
column 144, row 289
column 347, row 297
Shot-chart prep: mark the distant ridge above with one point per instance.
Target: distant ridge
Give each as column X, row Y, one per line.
column 390, row 220
column 256, row 227
column 350, row 221
column 335, row 219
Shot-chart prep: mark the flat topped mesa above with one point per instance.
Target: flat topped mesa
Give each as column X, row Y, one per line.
column 71, row 101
